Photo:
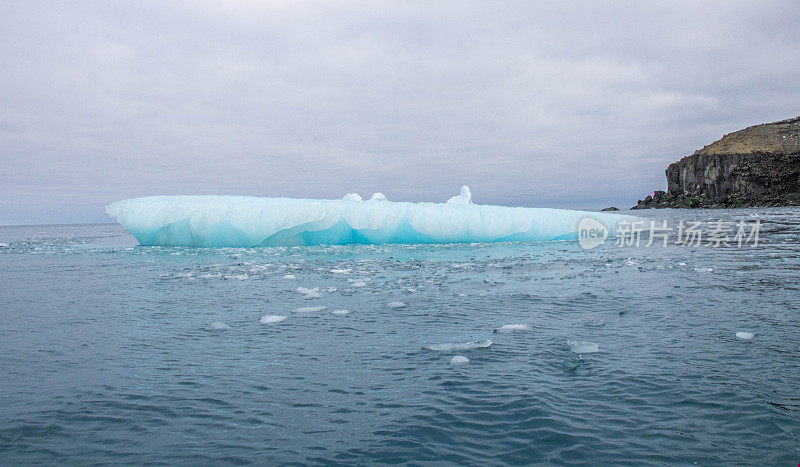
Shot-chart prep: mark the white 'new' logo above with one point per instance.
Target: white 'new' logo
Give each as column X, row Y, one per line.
column 591, row 233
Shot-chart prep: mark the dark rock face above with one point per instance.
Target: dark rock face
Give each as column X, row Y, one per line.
column 610, row 208
column 757, row 166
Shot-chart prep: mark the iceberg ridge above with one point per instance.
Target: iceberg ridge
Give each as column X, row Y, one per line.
column 242, row 221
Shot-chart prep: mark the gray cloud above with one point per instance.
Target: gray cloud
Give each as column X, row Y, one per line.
column 530, row 103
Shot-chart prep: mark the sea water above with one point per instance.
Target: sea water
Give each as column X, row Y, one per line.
column 117, row 353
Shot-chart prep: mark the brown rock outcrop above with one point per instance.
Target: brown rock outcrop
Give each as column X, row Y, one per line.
column 757, row 166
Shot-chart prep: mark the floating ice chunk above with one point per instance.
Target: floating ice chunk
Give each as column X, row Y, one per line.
column 309, row 309
column 464, row 346
column 341, row 271
column 459, row 360
column 744, row 335
column 309, row 293
column 241, row 221
column 352, row 197
column 378, row 197
column 515, row 327
column 595, row 323
column 240, row 277
column 271, row 319
column 340, row 312
column 289, row 276
column 396, row 305
column 358, row 284
column 703, row 269
column 583, row 347
column 465, row 197
column 3, row 245
column 218, row 326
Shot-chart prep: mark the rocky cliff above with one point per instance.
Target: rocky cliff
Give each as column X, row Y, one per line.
column 757, row 166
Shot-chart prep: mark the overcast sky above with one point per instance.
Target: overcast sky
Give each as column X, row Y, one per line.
column 577, row 105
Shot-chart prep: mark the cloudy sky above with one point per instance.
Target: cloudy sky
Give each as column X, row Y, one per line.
column 575, row 105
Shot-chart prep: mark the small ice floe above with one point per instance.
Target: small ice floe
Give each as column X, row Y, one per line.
column 581, row 347
column 514, row 327
column 240, row 277
column 744, row 335
column 594, row 323
column 459, row 360
column 271, row 319
column 3, row 245
column 341, row 271
column 463, row 346
column 309, row 309
column 681, row 264
column 703, row 269
column 289, row 276
column 340, row 312
column 358, row 284
column 396, row 305
column 218, row 326
column 572, row 364
column 309, row 293
column 331, row 289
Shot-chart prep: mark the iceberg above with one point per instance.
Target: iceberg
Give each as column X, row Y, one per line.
column 242, row 221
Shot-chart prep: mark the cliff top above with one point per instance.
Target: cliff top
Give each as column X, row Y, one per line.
column 781, row 137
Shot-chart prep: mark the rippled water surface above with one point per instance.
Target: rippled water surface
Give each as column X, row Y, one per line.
column 115, row 353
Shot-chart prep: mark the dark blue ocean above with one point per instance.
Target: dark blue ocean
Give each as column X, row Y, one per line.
column 116, row 353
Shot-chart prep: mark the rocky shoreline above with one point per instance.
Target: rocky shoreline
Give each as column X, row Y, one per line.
column 756, row 166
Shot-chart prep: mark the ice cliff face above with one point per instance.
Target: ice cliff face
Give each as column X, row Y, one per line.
column 215, row 221
column 759, row 165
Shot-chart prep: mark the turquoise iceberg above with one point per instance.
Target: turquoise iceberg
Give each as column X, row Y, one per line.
column 242, row 221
